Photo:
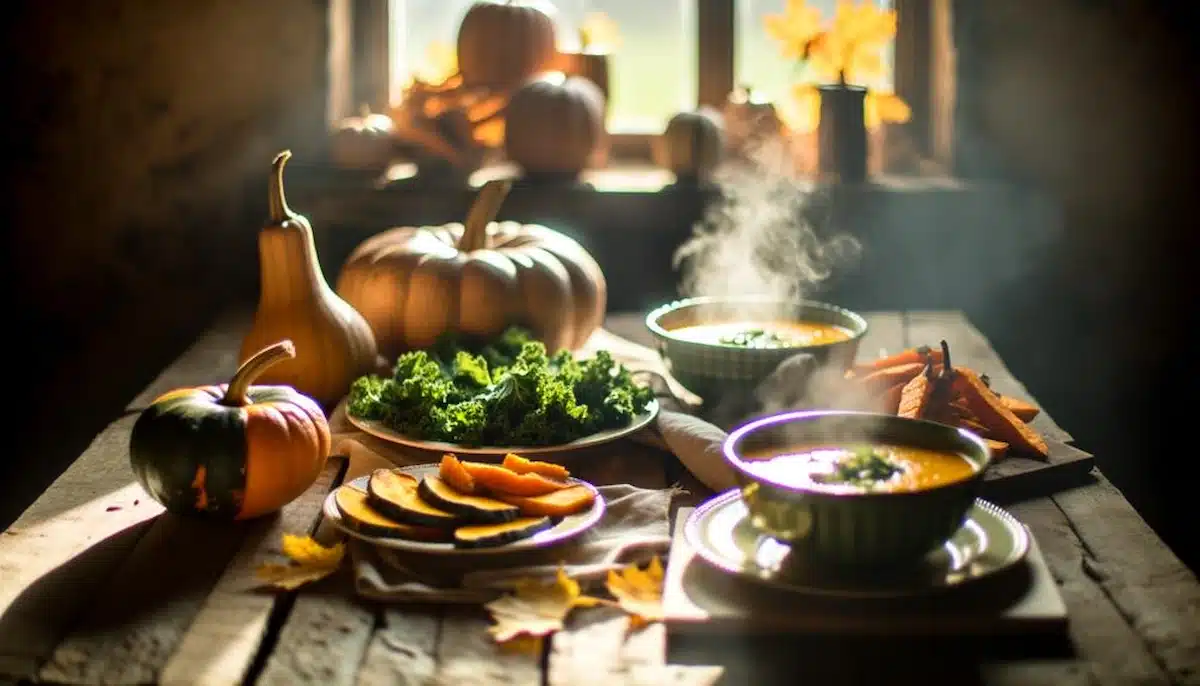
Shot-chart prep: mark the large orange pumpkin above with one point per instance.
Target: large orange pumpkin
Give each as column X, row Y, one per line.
column 555, row 124
column 414, row 283
column 501, row 43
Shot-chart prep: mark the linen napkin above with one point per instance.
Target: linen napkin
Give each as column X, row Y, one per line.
column 634, row 527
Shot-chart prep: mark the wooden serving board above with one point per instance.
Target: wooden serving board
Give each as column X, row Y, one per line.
column 699, row 600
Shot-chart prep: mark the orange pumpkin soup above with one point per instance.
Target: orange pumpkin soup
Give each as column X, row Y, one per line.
column 860, row 469
column 763, row 334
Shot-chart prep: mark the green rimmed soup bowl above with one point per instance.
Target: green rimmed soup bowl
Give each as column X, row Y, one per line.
column 876, row 520
column 689, row 335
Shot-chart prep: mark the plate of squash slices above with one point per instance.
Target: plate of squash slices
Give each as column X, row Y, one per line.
column 458, row 507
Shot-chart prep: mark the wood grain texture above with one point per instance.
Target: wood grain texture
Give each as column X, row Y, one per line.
column 588, row 651
column 223, row 639
column 65, row 546
column 324, row 638
column 140, row 616
column 403, row 649
column 1109, row 650
column 467, row 655
column 1149, row 586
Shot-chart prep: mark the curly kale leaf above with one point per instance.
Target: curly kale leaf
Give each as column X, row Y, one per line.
column 508, row 391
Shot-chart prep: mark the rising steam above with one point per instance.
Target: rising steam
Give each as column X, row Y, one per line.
column 761, row 238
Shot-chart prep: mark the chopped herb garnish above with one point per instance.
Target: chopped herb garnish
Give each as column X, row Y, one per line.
column 865, row 468
column 756, row 338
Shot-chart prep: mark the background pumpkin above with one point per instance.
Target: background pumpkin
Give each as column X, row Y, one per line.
column 555, row 124
column 414, row 283
column 692, row 144
column 364, row 142
column 501, row 43
column 232, row 451
column 334, row 344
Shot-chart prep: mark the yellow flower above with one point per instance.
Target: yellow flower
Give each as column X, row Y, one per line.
column 804, row 113
column 795, row 29
column 882, row 107
column 856, row 41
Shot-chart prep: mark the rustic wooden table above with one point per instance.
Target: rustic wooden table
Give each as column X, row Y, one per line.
column 98, row 586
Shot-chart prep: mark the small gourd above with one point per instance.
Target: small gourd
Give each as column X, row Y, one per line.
column 554, row 125
column 365, row 142
column 334, row 344
column 692, row 144
column 233, row 451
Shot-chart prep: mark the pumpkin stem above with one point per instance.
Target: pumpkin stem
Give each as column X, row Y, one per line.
column 947, row 368
column 482, row 212
column 276, row 200
column 235, row 395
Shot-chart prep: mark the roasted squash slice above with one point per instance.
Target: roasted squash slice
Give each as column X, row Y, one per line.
column 452, row 472
column 1025, row 411
column 488, row 535
column 521, row 465
column 394, row 494
column 474, row 508
column 360, row 516
column 500, row 480
column 560, row 503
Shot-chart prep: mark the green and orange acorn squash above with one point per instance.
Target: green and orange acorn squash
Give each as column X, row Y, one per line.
column 232, row 451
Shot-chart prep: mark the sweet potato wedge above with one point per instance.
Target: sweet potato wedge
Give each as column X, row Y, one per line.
column 919, row 354
column 1003, row 425
column 915, row 396
column 521, row 465
column 1026, row 411
column 497, row 479
column 560, row 503
column 999, row 448
column 887, row 377
column 889, row 401
column 455, row 475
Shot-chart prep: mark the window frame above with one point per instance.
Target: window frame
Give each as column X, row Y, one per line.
column 924, row 68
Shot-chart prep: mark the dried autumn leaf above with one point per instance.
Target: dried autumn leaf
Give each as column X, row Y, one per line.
column 536, row 608
column 883, row 107
column 639, row 592
column 310, row 561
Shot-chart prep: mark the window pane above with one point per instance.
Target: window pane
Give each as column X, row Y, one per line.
column 758, row 61
column 652, row 72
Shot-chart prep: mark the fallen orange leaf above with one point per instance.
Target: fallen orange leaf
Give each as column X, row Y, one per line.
column 536, row 608
column 310, row 561
column 639, row 592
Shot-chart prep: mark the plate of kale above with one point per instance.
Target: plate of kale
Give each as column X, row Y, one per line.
column 500, row 395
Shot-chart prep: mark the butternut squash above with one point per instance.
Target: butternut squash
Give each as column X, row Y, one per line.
column 334, row 344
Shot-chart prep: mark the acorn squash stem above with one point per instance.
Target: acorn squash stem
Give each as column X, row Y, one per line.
column 482, row 212
column 235, row 395
column 276, row 200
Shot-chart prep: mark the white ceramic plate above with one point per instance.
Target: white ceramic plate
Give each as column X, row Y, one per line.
column 990, row 541
column 378, row 430
column 564, row 529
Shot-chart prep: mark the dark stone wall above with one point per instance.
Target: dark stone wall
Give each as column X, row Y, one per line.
column 1095, row 104
column 138, row 139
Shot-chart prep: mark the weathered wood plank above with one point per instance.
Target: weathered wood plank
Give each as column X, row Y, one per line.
column 403, row 650
column 885, row 335
column 65, row 546
column 1110, row 651
column 141, row 615
column 467, row 655
column 211, row 359
column 325, row 637
column 222, row 641
column 968, row 345
column 1151, row 588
